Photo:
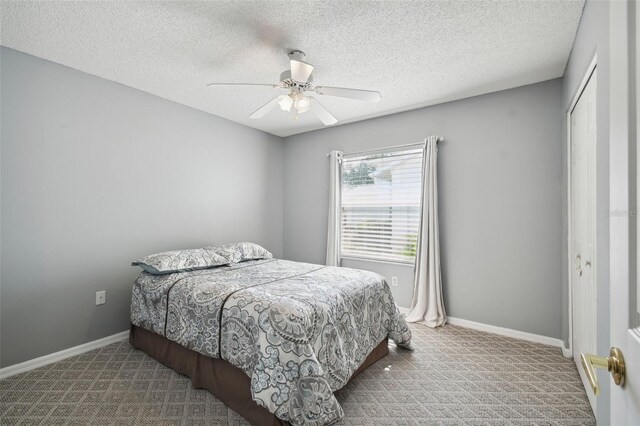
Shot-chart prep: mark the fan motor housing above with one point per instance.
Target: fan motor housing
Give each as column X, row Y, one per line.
column 287, row 81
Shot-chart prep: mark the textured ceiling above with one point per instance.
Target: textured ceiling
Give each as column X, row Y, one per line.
column 414, row 53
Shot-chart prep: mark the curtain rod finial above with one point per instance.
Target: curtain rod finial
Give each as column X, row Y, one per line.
column 438, row 139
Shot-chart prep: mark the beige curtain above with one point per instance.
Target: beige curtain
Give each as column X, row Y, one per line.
column 333, row 228
column 427, row 303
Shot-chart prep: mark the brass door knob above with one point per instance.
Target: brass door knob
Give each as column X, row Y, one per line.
column 614, row 363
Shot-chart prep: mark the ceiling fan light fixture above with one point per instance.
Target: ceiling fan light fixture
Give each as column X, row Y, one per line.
column 299, row 95
column 301, row 104
column 286, row 103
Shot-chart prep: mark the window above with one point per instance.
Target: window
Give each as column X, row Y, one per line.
column 380, row 215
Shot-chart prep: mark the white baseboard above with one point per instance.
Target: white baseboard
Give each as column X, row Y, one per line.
column 508, row 332
column 12, row 370
column 530, row 337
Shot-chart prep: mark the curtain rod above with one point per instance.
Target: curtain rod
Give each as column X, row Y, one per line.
column 389, row 148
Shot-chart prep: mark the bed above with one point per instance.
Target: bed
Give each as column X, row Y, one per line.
column 273, row 339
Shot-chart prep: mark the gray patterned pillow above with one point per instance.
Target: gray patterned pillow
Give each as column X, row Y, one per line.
column 241, row 252
column 180, row 260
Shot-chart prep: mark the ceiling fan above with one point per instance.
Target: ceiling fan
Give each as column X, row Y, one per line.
column 298, row 83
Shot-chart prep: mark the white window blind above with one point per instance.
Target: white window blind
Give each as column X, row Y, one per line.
column 381, row 196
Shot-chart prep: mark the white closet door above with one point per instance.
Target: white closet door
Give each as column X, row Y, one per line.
column 583, row 152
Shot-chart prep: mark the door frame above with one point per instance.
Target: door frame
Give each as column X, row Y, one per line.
column 568, row 352
column 623, row 402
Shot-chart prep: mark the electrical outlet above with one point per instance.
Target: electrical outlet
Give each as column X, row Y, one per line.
column 394, row 281
column 101, row 297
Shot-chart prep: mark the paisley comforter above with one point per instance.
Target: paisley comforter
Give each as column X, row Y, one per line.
column 298, row 330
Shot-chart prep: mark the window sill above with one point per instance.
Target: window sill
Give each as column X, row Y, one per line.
column 388, row 262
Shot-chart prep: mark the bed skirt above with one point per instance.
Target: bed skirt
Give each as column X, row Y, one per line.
column 226, row 382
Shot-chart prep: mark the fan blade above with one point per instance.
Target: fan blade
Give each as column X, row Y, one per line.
column 300, row 71
column 264, row 109
column 321, row 112
column 275, row 86
column 342, row 92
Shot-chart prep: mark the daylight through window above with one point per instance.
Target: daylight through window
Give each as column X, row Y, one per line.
column 381, row 196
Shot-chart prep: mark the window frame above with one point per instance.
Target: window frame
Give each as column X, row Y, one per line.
column 379, row 152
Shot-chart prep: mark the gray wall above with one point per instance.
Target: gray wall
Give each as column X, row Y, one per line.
column 500, row 186
column 592, row 37
column 95, row 174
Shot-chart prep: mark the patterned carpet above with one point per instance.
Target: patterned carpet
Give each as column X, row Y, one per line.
column 455, row 376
